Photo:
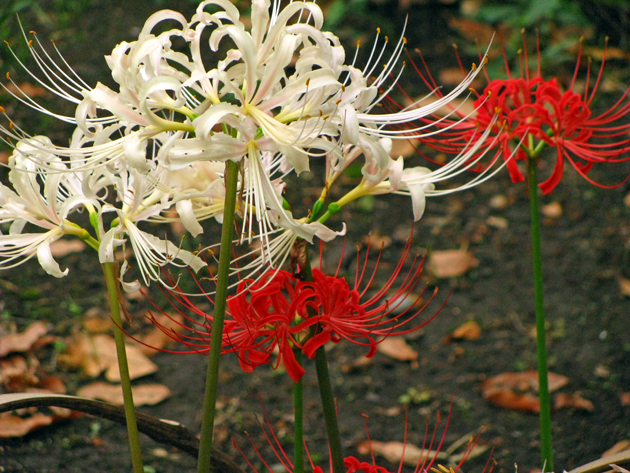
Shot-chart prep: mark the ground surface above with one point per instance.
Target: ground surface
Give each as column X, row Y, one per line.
column 585, row 250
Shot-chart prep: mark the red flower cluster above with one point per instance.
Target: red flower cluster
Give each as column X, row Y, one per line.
column 531, row 106
column 279, row 313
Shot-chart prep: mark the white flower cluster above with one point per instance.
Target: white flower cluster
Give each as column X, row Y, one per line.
column 281, row 95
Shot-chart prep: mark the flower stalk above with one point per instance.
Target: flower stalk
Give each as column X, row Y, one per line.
column 109, row 270
column 210, row 397
column 326, row 393
column 543, row 380
column 298, row 420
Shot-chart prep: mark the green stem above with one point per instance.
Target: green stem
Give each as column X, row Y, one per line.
column 298, row 428
column 326, row 393
column 109, row 269
column 210, row 397
column 543, row 380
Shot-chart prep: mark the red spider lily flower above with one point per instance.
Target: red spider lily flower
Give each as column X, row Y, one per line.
column 431, row 446
column 532, row 106
column 345, row 313
column 281, row 313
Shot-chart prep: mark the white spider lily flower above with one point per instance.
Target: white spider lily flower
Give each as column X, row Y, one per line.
column 30, row 205
column 141, row 200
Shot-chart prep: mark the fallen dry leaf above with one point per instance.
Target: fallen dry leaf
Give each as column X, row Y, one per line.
column 393, row 451
column 624, row 398
column 156, row 339
column 4, row 157
column 98, row 353
column 624, row 286
column 515, row 390
column 377, row 241
column 27, row 89
column 467, row 331
column 574, row 400
column 98, row 325
column 143, row 395
column 497, row 222
column 397, row 348
column 23, row 341
column 451, row 263
column 552, row 210
column 13, row 426
column 404, row 148
column 62, row 248
column 499, row 202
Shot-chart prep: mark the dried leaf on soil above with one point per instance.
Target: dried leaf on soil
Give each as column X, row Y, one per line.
column 624, row 398
column 4, row 157
column 397, row 348
column 574, row 400
column 98, row 353
column 624, row 286
column 467, row 331
column 13, row 426
column 552, row 210
column 393, row 451
column 515, row 390
column 62, row 248
column 451, row 263
column 143, row 395
column 156, row 339
column 21, row 342
column 98, row 325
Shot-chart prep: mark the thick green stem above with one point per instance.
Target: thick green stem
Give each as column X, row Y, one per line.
column 543, row 380
column 326, row 393
column 298, row 421
column 109, row 269
column 210, row 398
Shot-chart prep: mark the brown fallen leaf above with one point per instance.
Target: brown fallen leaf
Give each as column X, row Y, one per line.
column 98, row 325
column 14, row 426
column 156, row 339
column 624, row 286
column 574, row 400
column 393, row 451
column 451, row 263
column 397, row 348
column 377, row 241
column 98, row 353
column 468, row 331
column 4, row 157
column 624, row 398
column 23, row 341
column 552, row 210
column 27, row 89
column 143, row 395
column 62, row 248
column 516, row 390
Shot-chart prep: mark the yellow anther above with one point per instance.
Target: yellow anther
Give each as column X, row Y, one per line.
column 581, row 38
column 30, row 43
column 386, row 39
column 404, row 40
column 8, row 76
column 308, row 81
column 32, row 32
column 454, row 46
column 338, row 102
column 326, row 117
column 343, row 88
column 11, row 126
column 485, row 60
column 7, row 43
column 404, row 63
column 418, row 51
column 378, row 30
column 321, row 113
column 1, row 109
column 519, row 51
column 306, row 116
column 358, row 43
column 522, row 30
column 472, row 90
column 474, row 67
column 489, row 93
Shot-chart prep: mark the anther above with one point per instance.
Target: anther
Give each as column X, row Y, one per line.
column 378, row 30
column 32, row 32
column 30, row 43
column 343, row 88
column 404, row 40
column 454, row 46
column 1, row 109
column 308, row 81
column 8, row 76
column 474, row 67
column 338, row 102
column 386, row 39
column 11, row 126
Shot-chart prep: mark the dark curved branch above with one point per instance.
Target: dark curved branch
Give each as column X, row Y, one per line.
column 163, row 431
